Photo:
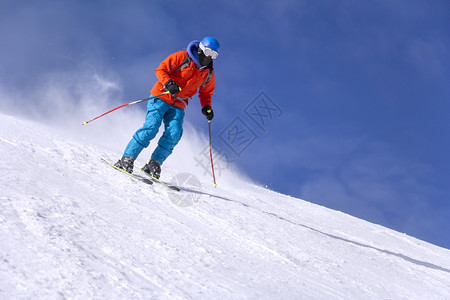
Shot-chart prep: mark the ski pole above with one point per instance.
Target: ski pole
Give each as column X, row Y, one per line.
column 123, row 105
column 210, row 153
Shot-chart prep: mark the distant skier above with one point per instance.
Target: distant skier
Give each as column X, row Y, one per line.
column 182, row 74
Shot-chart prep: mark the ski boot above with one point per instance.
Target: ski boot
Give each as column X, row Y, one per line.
column 153, row 168
column 126, row 164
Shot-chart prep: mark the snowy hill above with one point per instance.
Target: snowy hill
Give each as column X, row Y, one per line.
column 72, row 227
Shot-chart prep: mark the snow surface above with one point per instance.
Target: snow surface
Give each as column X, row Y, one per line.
column 73, row 227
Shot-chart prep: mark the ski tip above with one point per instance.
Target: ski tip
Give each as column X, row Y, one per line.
column 175, row 188
column 84, row 123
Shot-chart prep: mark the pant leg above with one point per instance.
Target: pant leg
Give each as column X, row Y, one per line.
column 173, row 130
column 156, row 109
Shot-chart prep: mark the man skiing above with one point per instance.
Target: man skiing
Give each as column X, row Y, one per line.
column 182, row 74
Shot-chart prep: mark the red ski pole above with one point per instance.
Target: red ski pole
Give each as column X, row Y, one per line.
column 123, row 105
column 210, row 153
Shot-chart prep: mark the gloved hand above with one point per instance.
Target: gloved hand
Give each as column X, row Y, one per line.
column 172, row 87
column 208, row 112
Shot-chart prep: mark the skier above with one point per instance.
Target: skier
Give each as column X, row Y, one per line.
column 182, row 74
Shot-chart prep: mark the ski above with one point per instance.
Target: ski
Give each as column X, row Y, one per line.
column 154, row 179
column 137, row 177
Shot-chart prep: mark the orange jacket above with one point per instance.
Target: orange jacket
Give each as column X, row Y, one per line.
column 190, row 78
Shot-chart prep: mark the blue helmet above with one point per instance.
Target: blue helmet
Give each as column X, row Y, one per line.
column 211, row 43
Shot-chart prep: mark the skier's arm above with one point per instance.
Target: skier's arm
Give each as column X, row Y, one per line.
column 169, row 65
column 206, row 91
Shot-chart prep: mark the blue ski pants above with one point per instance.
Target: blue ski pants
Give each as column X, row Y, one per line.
column 158, row 111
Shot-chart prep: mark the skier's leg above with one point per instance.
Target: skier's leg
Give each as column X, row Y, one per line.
column 156, row 109
column 173, row 124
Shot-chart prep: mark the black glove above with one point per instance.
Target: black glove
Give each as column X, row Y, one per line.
column 172, row 87
column 208, row 112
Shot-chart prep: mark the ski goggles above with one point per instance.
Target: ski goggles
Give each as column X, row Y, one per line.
column 209, row 52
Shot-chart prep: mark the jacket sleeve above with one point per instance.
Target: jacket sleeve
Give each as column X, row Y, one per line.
column 169, row 65
column 206, row 91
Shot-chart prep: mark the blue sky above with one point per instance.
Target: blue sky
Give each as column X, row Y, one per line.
column 362, row 89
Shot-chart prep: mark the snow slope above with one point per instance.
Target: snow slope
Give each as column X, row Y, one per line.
column 72, row 227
